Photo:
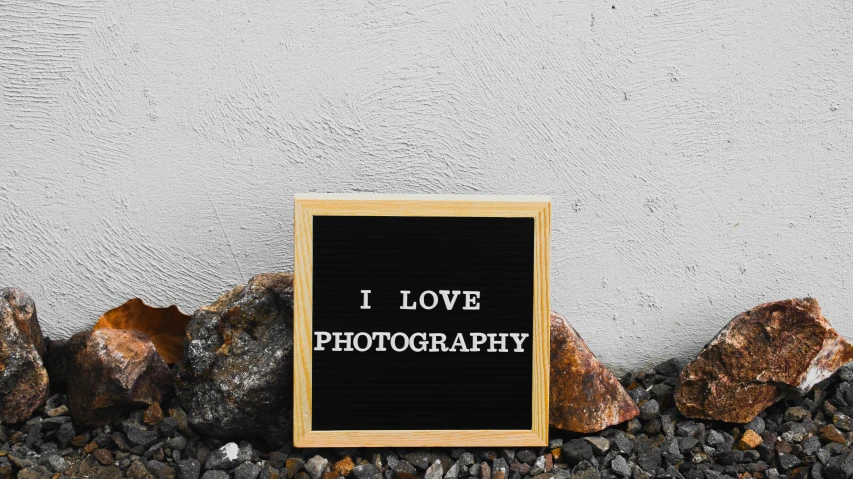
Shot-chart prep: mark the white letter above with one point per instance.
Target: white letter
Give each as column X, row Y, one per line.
column 475, row 343
column 382, row 337
column 365, row 292
column 435, row 340
column 320, row 341
column 423, row 343
column 405, row 298
column 347, row 341
column 471, row 298
column 492, row 342
column 355, row 342
column 434, row 299
column 394, row 342
column 460, row 341
column 447, row 301
column 519, row 339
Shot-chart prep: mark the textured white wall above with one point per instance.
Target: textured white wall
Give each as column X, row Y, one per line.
column 698, row 153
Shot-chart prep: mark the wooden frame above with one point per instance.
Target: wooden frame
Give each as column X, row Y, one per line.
column 306, row 206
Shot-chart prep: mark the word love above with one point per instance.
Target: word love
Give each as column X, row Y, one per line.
column 419, row 342
column 429, row 299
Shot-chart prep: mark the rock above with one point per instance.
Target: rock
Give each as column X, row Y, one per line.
column 749, row 440
column 811, row 445
column 648, row 455
column 177, row 443
column 270, row 472
column 585, row 396
column 168, row 426
column 5, row 468
column 236, row 376
column 247, row 470
column 189, row 469
column 58, row 411
column 153, row 415
column 620, row 466
column 670, row 368
column 160, row 469
column 23, row 377
column 65, row 434
column 138, row 435
column 622, row 444
column 649, row 410
column 839, row 467
column 365, row 471
column 278, row 459
column 344, row 467
column 103, row 456
column 316, row 466
column 796, row 413
column 788, row 461
column 435, row 471
column 292, row 465
column 52, row 423
column 687, row 443
column 842, row 421
column 55, row 463
column 760, row 356
column 671, row 451
column 575, row 451
column 214, row 474
column 36, row 472
column 228, row 456
column 137, row 470
column 527, row 456
column 757, row 424
column 113, row 370
column 600, row 445
column 419, row 459
column 832, row 434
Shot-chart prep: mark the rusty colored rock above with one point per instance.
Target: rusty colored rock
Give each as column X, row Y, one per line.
column 585, row 396
column 832, row 434
column 762, row 355
column 344, row 466
column 153, row 415
column 23, row 377
column 113, row 370
column 749, row 440
column 103, row 456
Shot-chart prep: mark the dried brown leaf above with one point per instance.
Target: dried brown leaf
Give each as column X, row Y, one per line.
column 165, row 326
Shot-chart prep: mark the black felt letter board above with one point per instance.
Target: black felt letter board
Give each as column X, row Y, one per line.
column 408, row 390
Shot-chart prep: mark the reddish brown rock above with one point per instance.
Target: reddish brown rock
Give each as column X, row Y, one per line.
column 749, row 440
column 585, row 396
column 113, row 370
column 23, row 378
column 153, row 415
column 344, row 466
column 103, row 456
column 763, row 354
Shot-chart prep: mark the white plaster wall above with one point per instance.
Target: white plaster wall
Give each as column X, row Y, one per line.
column 698, row 152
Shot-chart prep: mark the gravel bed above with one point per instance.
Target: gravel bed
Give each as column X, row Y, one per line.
column 796, row 438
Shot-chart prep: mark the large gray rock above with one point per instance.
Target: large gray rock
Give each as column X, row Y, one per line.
column 236, row 376
column 23, row 377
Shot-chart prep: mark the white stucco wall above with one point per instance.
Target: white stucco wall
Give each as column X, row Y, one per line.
column 698, row 153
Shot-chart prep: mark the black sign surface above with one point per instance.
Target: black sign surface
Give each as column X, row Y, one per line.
column 422, row 323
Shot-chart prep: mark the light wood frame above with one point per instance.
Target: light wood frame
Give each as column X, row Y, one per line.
column 306, row 206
